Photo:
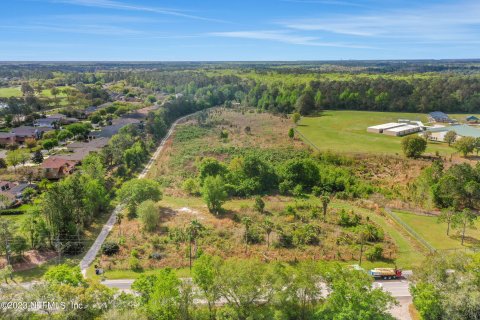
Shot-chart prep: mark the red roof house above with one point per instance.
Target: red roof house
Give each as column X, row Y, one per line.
column 57, row 168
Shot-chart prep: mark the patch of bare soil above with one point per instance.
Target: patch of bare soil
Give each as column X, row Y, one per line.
column 30, row 259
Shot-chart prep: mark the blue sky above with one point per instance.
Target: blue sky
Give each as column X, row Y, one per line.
column 231, row 30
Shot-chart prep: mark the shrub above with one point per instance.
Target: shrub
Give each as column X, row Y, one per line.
column 134, row 264
column 297, row 191
column 259, row 204
column 348, row 219
column 134, row 253
column 149, row 215
column 224, row 134
column 306, row 235
column 285, row 238
column 156, row 256
column 49, row 144
column 255, row 235
column 317, row 191
column 37, row 157
column 413, row 146
column 374, row 253
column 110, row 248
column 190, row 186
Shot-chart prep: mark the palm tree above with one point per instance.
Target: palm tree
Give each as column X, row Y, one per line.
column 119, row 222
column 363, row 235
column 247, row 222
column 325, row 202
column 267, row 226
column 194, row 230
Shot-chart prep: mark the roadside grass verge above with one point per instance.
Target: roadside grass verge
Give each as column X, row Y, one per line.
column 436, row 233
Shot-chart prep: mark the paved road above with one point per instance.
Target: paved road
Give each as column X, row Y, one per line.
column 95, row 248
column 398, row 288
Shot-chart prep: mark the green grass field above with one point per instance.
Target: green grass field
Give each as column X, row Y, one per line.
column 435, row 233
column 409, row 250
column 346, row 131
column 10, row 92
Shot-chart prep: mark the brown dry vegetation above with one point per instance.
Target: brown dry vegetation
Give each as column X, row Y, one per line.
column 224, row 234
column 180, row 155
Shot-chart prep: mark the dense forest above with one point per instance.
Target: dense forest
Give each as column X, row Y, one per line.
column 449, row 86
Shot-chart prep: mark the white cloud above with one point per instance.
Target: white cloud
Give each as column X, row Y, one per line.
column 93, row 29
column 282, row 36
column 432, row 23
column 110, row 4
column 328, row 2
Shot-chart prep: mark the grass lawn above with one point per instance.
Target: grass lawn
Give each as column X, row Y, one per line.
column 436, row 233
column 37, row 273
column 409, row 250
column 10, row 92
column 346, row 131
column 129, row 274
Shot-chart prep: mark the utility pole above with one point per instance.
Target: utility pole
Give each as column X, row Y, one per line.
column 58, row 247
column 7, row 245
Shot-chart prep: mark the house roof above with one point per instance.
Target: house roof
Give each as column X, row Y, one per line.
column 28, row 130
column 4, row 183
column 117, row 124
column 20, row 187
column 47, row 120
column 5, row 135
column 472, row 118
column 57, row 116
column 438, row 115
column 57, row 162
column 462, row 130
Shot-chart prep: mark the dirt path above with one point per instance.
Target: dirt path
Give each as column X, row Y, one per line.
column 95, row 248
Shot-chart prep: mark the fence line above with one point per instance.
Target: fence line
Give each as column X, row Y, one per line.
column 311, row 144
column 410, row 230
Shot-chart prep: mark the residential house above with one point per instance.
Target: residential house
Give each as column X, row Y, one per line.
column 56, row 167
column 438, row 116
column 6, row 185
column 12, row 193
column 18, row 190
column 6, row 138
column 53, row 123
column 64, row 120
column 26, row 132
column 114, row 128
column 472, row 119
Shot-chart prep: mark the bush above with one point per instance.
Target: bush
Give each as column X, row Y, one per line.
column 285, row 238
column 11, row 212
column 306, row 235
column 190, row 186
column 349, row 219
column 224, row 134
column 134, row 253
column 49, row 144
column 259, row 204
column 413, row 146
column 156, row 256
column 110, row 248
column 149, row 215
column 255, row 235
column 297, row 191
column 374, row 253
column 134, row 264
